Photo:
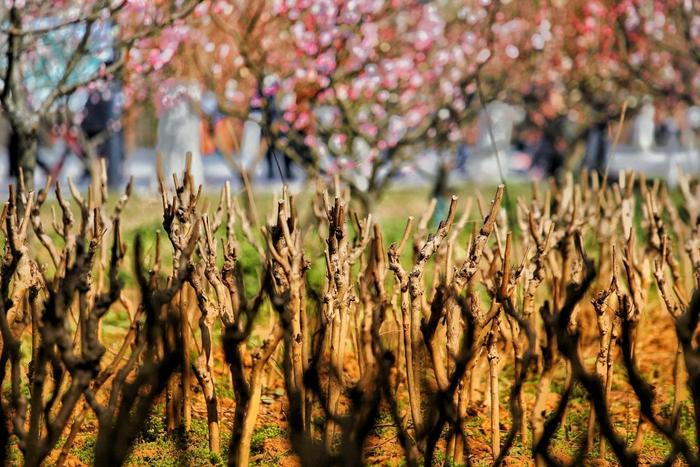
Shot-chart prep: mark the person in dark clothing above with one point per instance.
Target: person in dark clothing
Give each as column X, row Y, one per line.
column 103, row 119
column 549, row 155
column 273, row 156
column 550, row 118
column 546, row 157
column 462, row 157
column 441, row 190
column 596, row 147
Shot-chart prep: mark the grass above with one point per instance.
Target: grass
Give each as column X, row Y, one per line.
column 262, row 434
column 85, row 450
column 156, row 447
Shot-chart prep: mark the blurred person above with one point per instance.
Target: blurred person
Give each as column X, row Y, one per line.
column 102, row 120
column 207, row 125
column 218, row 132
column 663, row 129
column 668, row 131
column 547, row 157
column 441, row 189
column 273, row 156
column 462, row 157
column 556, row 135
column 278, row 162
column 596, row 151
column 524, row 144
column 667, row 134
column 464, row 151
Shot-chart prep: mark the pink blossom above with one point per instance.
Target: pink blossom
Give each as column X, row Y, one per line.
column 302, row 120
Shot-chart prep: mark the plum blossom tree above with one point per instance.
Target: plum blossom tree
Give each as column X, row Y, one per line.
column 234, row 49
column 660, row 44
column 604, row 56
column 354, row 89
column 575, row 76
column 605, row 53
column 375, row 83
column 50, row 50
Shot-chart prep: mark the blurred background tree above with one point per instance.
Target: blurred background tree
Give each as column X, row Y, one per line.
column 361, row 90
column 50, row 50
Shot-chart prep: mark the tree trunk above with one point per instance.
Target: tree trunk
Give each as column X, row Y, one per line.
column 246, row 434
column 248, row 395
column 204, row 374
column 295, row 352
column 608, row 382
column 493, row 358
column 678, row 385
column 537, row 419
column 185, row 302
column 333, row 393
column 413, row 394
column 23, row 152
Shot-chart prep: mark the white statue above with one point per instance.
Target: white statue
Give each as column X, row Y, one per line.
column 690, row 127
column 250, row 141
column 500, row 117
column 178, row 134
column 643, row 133
column 497, row 121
